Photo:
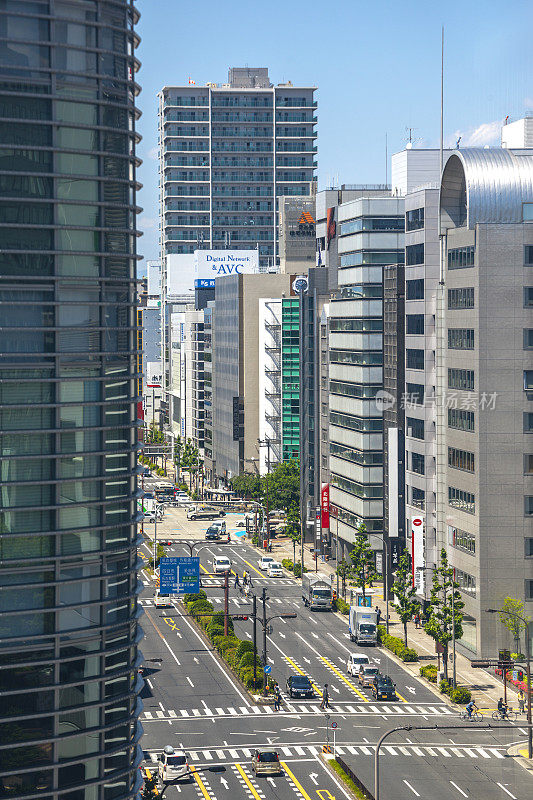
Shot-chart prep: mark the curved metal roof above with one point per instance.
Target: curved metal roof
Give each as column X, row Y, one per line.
column 485, row 185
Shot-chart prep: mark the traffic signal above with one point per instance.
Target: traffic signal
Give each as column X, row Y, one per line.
column 242, row 617
column 504, row 659
column 481, row 664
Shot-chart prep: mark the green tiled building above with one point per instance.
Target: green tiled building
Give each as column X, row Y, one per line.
column 290, row 378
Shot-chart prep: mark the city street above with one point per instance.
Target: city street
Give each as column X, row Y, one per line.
column 192, row 701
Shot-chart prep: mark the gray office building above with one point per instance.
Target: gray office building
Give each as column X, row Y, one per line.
column 227, row 152
column 485, row 374
column 68, row 430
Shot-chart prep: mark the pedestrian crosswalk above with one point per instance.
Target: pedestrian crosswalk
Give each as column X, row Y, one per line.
column 237, row 754
column 391, row 709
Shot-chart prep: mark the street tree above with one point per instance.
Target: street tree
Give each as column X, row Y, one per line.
column 190, row 460
column 344, row 570
column 178, row 456
column 441, row 622
column 247, row 485
column 513, row 625
column 362, row 557
column 283, row 486
column 293, row 530
column 406, row 604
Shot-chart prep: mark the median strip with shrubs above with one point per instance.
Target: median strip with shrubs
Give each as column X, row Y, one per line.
column 290, row 566
column 460, row 694
column 237, row 653
column 396, row 645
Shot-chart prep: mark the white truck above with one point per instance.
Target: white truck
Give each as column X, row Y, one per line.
column 363, row 625
column 316, row 591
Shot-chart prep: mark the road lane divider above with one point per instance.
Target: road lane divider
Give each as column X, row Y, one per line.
column 200, row 783
column 248, row 782
column 295, row 780
column 334, row 669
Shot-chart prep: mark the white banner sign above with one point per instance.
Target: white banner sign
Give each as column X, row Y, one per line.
column 417, row 551
column 153, row 374
column 211, row 264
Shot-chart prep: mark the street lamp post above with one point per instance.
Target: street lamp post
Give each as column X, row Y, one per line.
column 528, row 670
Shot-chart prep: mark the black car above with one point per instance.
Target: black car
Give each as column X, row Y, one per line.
column 212, row 533
column 299, row 686
column 383, row 688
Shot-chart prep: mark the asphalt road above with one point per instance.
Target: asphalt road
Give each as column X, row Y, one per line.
column 191, row 701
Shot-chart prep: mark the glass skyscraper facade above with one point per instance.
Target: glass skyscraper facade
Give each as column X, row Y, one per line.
column 68, row 584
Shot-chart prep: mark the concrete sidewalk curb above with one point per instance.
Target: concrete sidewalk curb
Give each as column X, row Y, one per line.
column 524, row 762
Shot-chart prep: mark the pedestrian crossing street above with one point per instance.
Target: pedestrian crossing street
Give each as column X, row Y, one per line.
column 391, row 709
column 232, row 754
column 237, row 601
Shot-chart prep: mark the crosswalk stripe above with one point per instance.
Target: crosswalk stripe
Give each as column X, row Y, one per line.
column 160, row 714
column 340, row 750
column 208, row 712
column 247, row 753
column 430, row 751
column 418, row 751
column 470, row 752
column 220, row 754
column 390, row 749
column 268, row 710
column 410, row 709
column 193, row 755
column 300, row 751
column 184, row 713
column 316, row 709
column 172, row 714
column 232, row 711
column 243, row 710
column 256, row 709
column 404, row 750
column 207, row 755
column 482, row 752
column 351, row 708
column 367, row 751
column 351, row 750
column 196, row 712
column 286, row 751
column 444, row 752
column 148, row 715
column 457, row 752
column 233, row 753
column 495, row 753
column 219, row 711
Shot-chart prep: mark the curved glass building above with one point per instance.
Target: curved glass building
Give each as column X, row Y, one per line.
column 68, row 610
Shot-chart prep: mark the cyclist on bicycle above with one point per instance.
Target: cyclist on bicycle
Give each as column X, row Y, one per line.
column 470, row 708
column 502, row 708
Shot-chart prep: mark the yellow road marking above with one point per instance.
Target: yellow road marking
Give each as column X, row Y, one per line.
column 200, row 783
column 295, row 781
column 328, row 663
column 321, row 792
column 171, row 622
column 293, row 665
column 252, row 567
column 248, row 782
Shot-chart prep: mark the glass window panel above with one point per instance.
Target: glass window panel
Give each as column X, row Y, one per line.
column 76, row 189
column 76, row 164
column 78, row 215
column 76, row 139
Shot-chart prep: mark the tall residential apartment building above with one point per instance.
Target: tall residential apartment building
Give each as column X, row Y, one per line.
column 226, row 153
column 485, row 433
column 68, row 418
column 371, row 236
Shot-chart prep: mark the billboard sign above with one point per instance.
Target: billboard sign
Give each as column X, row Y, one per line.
column 180, row 273
column 154, row 278
column 324, row 503
column 212, row 264
column 153, row 374
column 179, row 575
column 417, row 551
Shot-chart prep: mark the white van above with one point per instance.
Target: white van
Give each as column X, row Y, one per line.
column 355, row 660
column 221, row 564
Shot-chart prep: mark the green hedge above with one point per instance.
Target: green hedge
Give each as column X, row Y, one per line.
column 396, row 645
column 190, row 598
column 342, row 607
column 429, row 672
column 347, row 780
column 460, row 695
column 288, row 563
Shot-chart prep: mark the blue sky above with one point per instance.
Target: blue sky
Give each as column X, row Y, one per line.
column 376, row 65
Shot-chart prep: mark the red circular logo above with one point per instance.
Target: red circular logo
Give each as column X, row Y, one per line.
column 417, row 522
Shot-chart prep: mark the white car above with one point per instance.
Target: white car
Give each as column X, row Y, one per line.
column 161, row 600
column 172, row 765
column 221, row 564
column 264, row 561
column 275, row 570
column 355, row 660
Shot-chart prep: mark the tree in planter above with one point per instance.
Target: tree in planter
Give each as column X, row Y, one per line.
column 190, row 459
column 441, row 623
column 513, row 625
column 406, row 604
column 178, row 455
column 149, row 790
column 344, row 570
column 362, row 557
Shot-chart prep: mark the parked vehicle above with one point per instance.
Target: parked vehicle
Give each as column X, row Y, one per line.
column 275, row 570
column 161, row 600
column 367, row 674
column 316, row 591
column 264, row 561
column 221, row 564
column 383, row 688
column 172, row 765
column 363, row 625
column 204, row 512
column 355, row 660
column 266, row 762
column 299, row 686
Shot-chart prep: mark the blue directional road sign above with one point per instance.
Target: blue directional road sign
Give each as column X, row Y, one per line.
column 179, row 575
column 267, row 669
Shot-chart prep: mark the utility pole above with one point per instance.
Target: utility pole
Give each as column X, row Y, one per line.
column 265, row 662
column 226, row 602
column 254, row 612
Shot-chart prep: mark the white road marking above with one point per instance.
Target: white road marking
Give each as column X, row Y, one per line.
column 411, row 788
column 458, row 789
column 506, row 790
column 192, row 684
column 162, row 706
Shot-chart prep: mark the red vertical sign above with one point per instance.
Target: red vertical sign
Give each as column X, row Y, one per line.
column 324, row 505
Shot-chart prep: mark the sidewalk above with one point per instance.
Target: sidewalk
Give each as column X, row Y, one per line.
column 486, row 688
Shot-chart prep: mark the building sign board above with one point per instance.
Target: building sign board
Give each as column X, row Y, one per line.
column 212, row 264
column 417, row 551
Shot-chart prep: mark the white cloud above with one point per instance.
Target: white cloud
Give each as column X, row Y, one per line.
column 153, row 153
column 486, row 133
column 145, row 223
